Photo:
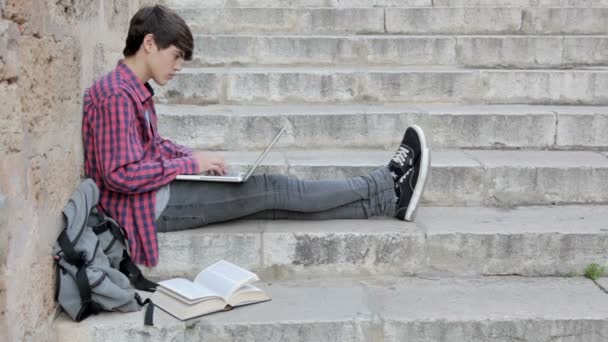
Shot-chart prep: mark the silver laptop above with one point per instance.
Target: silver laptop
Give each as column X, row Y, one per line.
column 233, row 177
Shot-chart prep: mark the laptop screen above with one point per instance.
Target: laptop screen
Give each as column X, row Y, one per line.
column 261, row 157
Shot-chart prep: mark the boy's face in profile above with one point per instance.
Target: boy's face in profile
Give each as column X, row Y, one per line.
column 164, row 63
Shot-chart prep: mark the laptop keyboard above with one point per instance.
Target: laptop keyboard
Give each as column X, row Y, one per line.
column 230, row 173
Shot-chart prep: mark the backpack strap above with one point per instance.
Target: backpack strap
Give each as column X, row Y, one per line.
column 149, row 317
column 69, row 253
column 128, row 268
column 82, row 280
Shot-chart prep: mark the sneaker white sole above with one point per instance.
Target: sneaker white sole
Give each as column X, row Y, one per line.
column 425, row 161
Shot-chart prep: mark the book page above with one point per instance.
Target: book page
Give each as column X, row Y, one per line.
column 248, row 294
column 225, row 278
column 185, row 311
column 187, row 289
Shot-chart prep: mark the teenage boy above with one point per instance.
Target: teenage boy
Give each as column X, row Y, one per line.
column 134, row 167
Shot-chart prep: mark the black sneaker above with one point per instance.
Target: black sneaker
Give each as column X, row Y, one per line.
column 406, row 154
column 413, row 179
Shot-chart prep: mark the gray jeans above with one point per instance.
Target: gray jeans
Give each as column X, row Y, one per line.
column 195, row 204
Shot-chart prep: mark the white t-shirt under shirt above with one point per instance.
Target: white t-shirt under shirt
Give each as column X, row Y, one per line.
column 162, row 198
column 162, row 195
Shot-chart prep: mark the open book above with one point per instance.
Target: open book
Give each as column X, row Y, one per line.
column 218, row 287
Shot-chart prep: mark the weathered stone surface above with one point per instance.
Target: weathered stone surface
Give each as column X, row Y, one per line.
column 469, row 20
column 384, row 3
column 469, row 177
column 41, row 83
column 522, row 3
column 18, row 11
column 510, row 51
column 360, row 126
column 283, row 50
column 11, row 119
column 527, row 240
column 116, row 13
column 285, row 20
column 584, row 49
column 207, row 246
column 50, row 109
column 294, row 3
column 76, row 10
column 578, row 129
column 386, row 309
column 492, row 309
column 565, row 20
column 531, row 241
column 9, row 65
column 542, row 177
column 471, row 51
column 320, row 85
column 540, row 87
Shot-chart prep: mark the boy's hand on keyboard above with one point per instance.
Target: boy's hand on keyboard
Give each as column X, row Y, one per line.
column 211, row 162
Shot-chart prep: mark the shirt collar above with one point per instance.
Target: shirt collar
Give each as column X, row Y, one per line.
column 143, row 91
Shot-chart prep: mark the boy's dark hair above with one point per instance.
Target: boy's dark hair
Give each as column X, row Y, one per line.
column 167, row 27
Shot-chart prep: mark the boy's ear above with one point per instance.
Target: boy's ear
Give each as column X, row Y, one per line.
column 149, row 44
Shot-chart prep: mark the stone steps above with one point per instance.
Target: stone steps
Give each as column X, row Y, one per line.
column 530, row 241
column 467, row 51
column 318, row 85
column 380, row 3
column 412, row 20
column 384, row 309
column 382, row 126
column 461, row 177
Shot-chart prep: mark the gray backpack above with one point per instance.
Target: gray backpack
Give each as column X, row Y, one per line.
column 94, row 270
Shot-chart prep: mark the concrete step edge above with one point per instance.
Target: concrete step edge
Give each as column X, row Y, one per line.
column 394, row 308
column 355, row 109
column 531, row 241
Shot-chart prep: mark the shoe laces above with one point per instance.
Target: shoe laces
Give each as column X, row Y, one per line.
column 401, row 155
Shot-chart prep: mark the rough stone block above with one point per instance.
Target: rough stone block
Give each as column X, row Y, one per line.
column 348, row 250
column 471, row 51
column 284, row 20
column 565, row 21
column 347, row 20
column 4, row 239
column 488, row 127
column 585, row 50
column 75, row 11
column 9, row 63
column 455, row 179
column 347, row 126
column 531, row 177
column 203, row 88
column 408, row 51
column 419, row 86
column 386, row 309
column 116, row 13
column 539, row 87
column 11, row 119
column 446, row 20
column 18, row 11
column 550, row 240
column 260, row 88
column 49, row 109
column 511, row 51
column 188, row 252
column 380, row 84
column 582, row 129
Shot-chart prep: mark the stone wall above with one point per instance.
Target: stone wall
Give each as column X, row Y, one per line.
column 50, row 51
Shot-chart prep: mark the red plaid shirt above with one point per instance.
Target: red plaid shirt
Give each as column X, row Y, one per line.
column 127, row 158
